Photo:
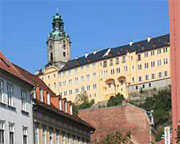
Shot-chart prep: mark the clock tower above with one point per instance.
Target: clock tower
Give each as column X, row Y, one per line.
column 58, row 43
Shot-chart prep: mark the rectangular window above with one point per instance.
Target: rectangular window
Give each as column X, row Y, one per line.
column 36, row 135
column 44, row 135
column 88, row 87
column 147, row 77
column 117, row 60
column 165, row 73
column 153, row 76
column 41, row 95
column 94, row 86
column 165, row 49
column 63, row 138
column 60, row 104
column 1, row 90
column 132, row 79
column 70, row 92
column 76, row 80
column 48, row 98
column 70, row 81
column 57, row 137
column 159, row 62
column 2, row 132
column 82, row 78
column 105, row 64
column 123, row 59
column 65, row 93
column 165, row 61
column 125, row 68
column 117, row 70
column 76, row 90
column 112, row 71
column 51, row 136
column 153, row 64
column 11, row 134
column 82, row 89
column 24, row 100
column 140, row 79
column 146, row 65
column 94, row 75
column 10, row 92
column 160, row 74
column 139, row 66
column 158, row 51
column 64, row 83
column 111, row 62
column 87, row 76
column 25, row 135
column 152, row 52
column 139, row 57
column 146, row 54
column 60, row 84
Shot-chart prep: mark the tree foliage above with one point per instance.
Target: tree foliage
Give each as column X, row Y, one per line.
column 82, row 102
column 161, row 104
column 116, row 138
column 115, row 100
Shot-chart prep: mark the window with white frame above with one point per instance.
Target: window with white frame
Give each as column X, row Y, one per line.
column 111, row 62
column 70, row 81
column 60, row 104
column 146, row 54
column 117, row 60
column 153, row 64
column 165, row 73
column 36, row 134
column 88, row 87
column 94, row 86
column 2, row 132
column 82, row 78
column 65, row 106
column 153, row 76
column 159, row 62
column 48, row 98
column 165, row 61
column 63, row 138
column 11, row 134
column 160, row 74
column 87, row 76
column 57, row 137
column 94, row 75
column 82, row 89
column 70, row 92
column 51, row 136
column 152, row 53
column 158, row 51
column 41, row 95
column 1, row 90
column 139, row 66
column 24, row 100
column 123, row 59
column 117, row 70
column 25, row 135
column 44, row 135
column 10, row 92
column 76, row 90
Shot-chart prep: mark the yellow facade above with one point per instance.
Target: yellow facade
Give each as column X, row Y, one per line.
column 125, row 74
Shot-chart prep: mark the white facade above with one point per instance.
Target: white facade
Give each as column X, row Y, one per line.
column 16, row 121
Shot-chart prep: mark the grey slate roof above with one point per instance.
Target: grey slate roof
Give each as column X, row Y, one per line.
column 137, row 47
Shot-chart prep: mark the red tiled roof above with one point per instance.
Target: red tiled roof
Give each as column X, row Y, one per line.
column 7, row 66
column 34, row 79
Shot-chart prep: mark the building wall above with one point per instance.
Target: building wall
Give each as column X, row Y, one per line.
column 105, row 78
column 174, row 13
column 69, row 130
column 14, row 114
column 119, row 119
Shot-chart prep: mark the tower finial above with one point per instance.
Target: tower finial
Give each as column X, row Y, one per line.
column 57, row 10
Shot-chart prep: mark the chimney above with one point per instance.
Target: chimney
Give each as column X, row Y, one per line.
column 131, row 43
column 37, row 93
column 86, row 54
column 124, row 102
column 94, row 52
column 149, row 39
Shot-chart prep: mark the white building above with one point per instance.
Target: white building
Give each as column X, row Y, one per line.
column 16, row 121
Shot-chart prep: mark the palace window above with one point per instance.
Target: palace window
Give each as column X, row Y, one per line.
column 10, row 92
column 165, row 61
column 140, row 79
column 158, row 51
column 2, row 132
column 117, row 70
column 1, row 90
column 44, row 135
column 153, row 76
column 87, row 77
column 165, row 49
column 139, row 66
column 76, row 90
column 160, row 74
column 65, row 93
column 139, row 57
column 63, row 138
column 125, row 68
column 105, row 64
column 147, row 77
column 159, row 62
column 132, row 79
column 146, row 65
column 146, row 54
column 60, row 104
column 36, row 135
column 64, row 83
column 60, row 84
column 153, row 64
column 94, row 75
column 111, row 62
column 152, row 52
column 76, row 79
column 112, row 71
column 117, row 60
column 88, row 87
column 64, row 54
column 94, row 86
column 165, row 73
column 82, row 89
column 123, row 59
column 70, row 92
column 82, row 78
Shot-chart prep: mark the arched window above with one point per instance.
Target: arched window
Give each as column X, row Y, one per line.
column 64, row 54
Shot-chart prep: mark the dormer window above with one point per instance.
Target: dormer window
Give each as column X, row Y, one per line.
column 60, row 104
column 41, row 95
column 65, row 106
column 48, row 98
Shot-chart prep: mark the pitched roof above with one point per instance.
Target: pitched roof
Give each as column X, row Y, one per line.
column 8, row 67
column 38, row 82
column 57, row 112
column 137, row 47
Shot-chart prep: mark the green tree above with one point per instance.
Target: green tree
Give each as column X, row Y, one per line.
column 115, row 100
column 161, row 104
column 82, row 102
column 116, row 138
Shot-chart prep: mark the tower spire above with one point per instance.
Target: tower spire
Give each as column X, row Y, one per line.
column 57, row 10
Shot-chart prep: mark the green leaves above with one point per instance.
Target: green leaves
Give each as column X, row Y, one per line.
column 115, row 100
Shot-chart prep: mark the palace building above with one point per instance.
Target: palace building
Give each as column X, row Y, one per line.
column 128, row 69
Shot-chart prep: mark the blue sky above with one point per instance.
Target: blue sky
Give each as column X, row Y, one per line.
column 91, row 24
